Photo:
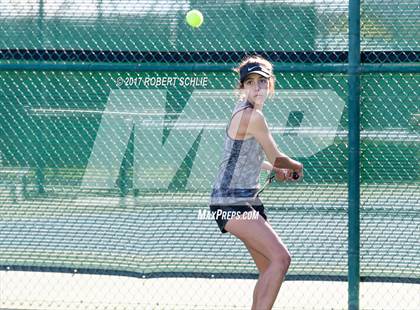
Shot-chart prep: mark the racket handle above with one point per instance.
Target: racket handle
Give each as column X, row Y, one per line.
column 295, row 175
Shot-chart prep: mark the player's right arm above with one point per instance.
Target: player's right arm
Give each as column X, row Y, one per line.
column 258, row 128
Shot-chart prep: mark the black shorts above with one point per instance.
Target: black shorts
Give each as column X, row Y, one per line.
column 235, row 209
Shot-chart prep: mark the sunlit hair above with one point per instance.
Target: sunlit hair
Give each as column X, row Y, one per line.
column 257, row 60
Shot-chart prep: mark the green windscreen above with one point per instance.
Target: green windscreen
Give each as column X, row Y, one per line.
column 112, row 123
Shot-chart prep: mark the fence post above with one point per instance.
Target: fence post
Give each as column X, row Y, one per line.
column 354, row 155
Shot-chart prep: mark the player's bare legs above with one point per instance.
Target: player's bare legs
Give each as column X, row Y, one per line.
column 271, row 254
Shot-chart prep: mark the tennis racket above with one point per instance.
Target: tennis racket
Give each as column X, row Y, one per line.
column 271, row 178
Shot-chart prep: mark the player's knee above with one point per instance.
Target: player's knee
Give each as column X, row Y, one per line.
column 282, row 260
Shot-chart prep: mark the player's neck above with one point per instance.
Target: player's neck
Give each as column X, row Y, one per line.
column 257, row 106
column 254, row 105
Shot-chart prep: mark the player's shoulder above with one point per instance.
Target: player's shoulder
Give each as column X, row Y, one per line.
column 257, row 120
column 251, row 112
column 252, row 115
column 257, row 116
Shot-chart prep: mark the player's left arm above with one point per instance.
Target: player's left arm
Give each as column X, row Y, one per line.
column 266, row 165
column 281, row 174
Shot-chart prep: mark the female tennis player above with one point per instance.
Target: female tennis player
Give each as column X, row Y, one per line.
column 236, row 186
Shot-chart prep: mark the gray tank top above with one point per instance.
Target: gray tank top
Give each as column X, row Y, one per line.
column 237, row 180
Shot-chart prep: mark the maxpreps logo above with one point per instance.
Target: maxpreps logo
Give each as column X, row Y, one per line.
column 205, row 214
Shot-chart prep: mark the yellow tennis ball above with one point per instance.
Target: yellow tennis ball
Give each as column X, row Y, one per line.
column 194, row 18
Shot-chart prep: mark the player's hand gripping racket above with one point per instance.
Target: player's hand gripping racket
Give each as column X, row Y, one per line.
column 271, row 178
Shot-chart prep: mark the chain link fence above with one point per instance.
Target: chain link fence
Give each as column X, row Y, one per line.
column 112, row 124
